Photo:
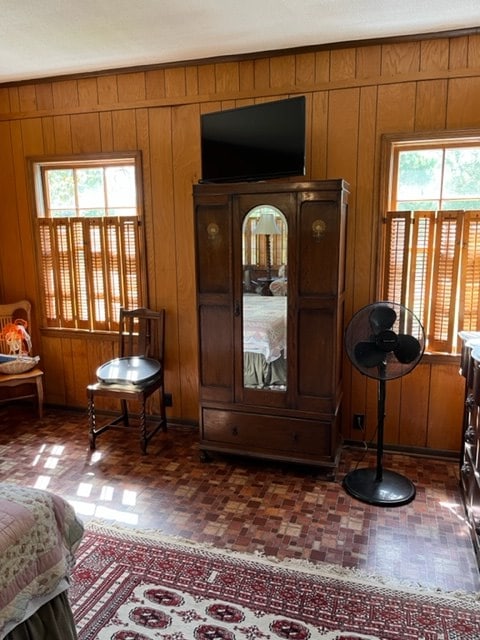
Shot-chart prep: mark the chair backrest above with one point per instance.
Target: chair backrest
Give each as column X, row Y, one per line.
column 142, row 333
column 9, row 313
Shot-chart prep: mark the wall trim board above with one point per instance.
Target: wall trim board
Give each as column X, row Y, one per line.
column 290, row 90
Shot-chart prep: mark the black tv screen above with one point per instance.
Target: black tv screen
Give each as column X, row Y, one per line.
column 256, row 142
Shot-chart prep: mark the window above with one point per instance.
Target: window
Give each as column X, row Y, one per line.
column 432, row 236
column 88, row 239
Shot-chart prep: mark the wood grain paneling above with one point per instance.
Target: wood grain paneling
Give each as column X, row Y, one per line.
column 27, row 97
column 319, row 134
column 396, row 107
column 11, row 247
column 414, row 407
column 462, row 103
column 55, row 368
column 458, row 53
column 14, row 99
column 434, row 55
column 400, row 58
column 431, row 105
column 85, row 131
column 4, row 101
column 107, row 89
column 131, row 87
column 322, row 67
column 305, row 68
column 473, row 51
column 155, row 84
column 175, row 83
column 63, row 135
column 88, row 92
column 354, row 95
column 343, row 133
column 393, row 403
column 246, row 70
column 186, row 154
column 65, row 94
column 446, row 395
column 262, row 74
column 342, row 65
column 368, row 61
column 282, row 72
column 124, row 130
column 227, row 78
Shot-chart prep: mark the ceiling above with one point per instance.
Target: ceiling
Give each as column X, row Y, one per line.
column 59, row 37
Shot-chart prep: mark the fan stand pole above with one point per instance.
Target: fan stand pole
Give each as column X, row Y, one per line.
column 379, row 487
column 380, row 422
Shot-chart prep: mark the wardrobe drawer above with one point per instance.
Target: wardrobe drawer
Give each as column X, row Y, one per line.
column 268, row 433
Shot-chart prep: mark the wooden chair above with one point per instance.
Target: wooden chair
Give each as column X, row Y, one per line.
column 135, row 375
column 9, row 313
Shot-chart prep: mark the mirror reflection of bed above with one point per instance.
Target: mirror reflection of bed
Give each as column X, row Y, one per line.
column 265, row 299
column 264, row 341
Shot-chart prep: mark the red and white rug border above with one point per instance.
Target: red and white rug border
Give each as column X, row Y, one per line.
column 321, row 569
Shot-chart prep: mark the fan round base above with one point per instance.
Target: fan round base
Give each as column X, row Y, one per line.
column 393, row 490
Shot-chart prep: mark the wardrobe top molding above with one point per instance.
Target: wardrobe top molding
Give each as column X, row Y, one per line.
column 271, row 186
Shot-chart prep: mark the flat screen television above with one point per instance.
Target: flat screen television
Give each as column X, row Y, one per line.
column 256, row 142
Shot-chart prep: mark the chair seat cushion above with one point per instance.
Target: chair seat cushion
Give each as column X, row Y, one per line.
column 130, row 370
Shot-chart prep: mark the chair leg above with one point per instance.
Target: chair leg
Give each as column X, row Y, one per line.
column 143, row 428
column 124, row 412
column 40, row 396
column 91, row 421
column 163, row 413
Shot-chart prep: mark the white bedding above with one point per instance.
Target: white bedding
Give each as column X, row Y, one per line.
column 265, row 326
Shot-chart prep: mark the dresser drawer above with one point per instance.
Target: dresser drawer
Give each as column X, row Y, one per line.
column 268, row 434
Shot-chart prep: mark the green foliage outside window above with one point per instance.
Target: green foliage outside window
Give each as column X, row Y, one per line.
column 432, row 179
column 91, row 192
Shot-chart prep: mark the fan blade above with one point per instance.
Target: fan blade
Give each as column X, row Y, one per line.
column 368, row 354
column 407, row 349
column 382, row 317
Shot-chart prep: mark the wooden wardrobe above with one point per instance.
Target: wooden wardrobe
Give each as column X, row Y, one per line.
column 294, row 413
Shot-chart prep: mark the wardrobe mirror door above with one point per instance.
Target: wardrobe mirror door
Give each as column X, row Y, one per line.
column 265, row 274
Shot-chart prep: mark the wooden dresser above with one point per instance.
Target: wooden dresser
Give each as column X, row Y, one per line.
column 470, row 458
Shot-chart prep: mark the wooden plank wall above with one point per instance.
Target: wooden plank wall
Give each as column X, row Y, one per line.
column 354, row 95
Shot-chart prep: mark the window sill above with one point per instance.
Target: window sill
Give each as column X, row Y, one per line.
column 440, row 358
column 78, row 334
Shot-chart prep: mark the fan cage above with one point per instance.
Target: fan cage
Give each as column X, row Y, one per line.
column 360, row 329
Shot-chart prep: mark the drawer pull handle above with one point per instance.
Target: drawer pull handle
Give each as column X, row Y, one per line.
column 295, row 437
column 235, row 431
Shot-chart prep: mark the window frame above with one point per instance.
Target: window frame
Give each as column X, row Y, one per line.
column 36, row 166
column 390, row 145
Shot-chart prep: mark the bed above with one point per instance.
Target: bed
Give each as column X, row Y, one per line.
column 39, row 534
column 265, row 341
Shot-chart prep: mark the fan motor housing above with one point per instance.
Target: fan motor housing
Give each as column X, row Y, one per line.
column 386, row 340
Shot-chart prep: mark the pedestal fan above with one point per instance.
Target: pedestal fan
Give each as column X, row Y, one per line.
column 383, row 340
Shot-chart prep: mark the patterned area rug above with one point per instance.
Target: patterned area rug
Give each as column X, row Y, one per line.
column 130, row 585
